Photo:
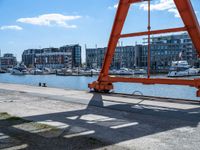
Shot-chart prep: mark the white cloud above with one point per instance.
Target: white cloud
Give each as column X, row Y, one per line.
column 162, row 5
column 113, row 7
column 158, row 5
column 50, row 20
column 11, row 27
column 175, row 12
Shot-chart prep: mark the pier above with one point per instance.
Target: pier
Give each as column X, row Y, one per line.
column 83, row 120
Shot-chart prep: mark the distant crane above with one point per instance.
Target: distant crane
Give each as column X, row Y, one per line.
column 186, row 11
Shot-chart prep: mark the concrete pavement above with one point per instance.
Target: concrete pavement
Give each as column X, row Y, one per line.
column 119, row 122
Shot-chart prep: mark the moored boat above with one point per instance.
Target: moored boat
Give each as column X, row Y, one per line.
column 2, row 71
column 20, row 69
column 182, row 69
column 36, row 71
column 139, row 71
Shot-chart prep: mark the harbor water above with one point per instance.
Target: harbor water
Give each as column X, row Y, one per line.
column 81, row 82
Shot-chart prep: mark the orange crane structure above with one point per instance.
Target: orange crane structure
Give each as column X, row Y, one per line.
column 191, row 25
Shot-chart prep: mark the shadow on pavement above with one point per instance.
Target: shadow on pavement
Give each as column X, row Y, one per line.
column 101, row 124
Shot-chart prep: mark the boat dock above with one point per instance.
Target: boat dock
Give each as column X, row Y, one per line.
column 83, row 120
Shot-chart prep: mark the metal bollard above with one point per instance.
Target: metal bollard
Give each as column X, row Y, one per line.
column 44, row 85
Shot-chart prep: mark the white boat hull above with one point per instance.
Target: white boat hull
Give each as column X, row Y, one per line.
column 189, row 72
column 17, row 72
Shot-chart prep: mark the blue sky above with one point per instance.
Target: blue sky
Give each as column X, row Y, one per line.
column 53, row 23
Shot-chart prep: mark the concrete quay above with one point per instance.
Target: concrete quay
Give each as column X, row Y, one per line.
column 83, row 120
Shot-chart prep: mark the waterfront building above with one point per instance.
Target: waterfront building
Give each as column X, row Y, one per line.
column 7, row 61
column 94, row 57
column 73, row 55
column 28, row 57
column 68, row 56
column 123, row 58
column 165, row 49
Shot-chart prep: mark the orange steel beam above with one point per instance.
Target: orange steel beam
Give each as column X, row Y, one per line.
column 193, row 83
column 154, row 32
column 136, row 1
column 104, row 82
column 120, row 18
column 189, row 18
column 149, row 41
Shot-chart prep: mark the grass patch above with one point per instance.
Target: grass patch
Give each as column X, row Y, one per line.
column 4, row 115
column 7, row 117
column 44, row 126
column 13, row 119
